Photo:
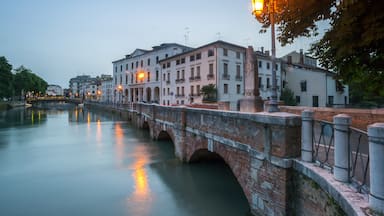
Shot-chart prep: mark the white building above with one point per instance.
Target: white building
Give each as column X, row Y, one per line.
column 219, row 63
column 264, row 67
column 311, row 85
column 137, row 76
column 107, row 89
column 78, row 84
column 54, row 90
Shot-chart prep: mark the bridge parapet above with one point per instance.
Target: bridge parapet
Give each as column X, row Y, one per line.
column 263, row 149
column 258, row 147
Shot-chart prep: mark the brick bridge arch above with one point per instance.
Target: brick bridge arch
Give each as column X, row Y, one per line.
column 256, row 146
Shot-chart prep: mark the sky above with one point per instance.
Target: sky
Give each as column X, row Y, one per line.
column 59, row 40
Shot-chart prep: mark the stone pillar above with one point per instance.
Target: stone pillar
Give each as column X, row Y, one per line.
column 342, row 169
column 376, row 172
column 252, row 101
column 306, row 136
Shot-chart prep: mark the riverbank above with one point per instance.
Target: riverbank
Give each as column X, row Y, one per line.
column 4, row 106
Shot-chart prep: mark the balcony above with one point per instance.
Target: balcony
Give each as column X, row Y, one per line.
column 226, row 76
column 191, row 79
column 195, row 95
column 197, row 78
column 168, row 82
column 179, row 95
column 239, row 78
column 210, row 76
column 180, row 80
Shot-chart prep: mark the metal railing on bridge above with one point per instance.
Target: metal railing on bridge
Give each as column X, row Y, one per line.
column 323, row 139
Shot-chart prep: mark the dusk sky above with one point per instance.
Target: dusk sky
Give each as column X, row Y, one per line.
column 59, row 40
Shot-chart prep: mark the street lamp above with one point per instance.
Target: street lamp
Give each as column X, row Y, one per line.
column 258, row 10
column 120, row 92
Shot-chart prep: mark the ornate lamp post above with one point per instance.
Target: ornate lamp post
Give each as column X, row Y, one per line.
column 258, row 9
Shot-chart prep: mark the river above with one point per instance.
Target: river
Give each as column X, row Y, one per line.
column 81, row 162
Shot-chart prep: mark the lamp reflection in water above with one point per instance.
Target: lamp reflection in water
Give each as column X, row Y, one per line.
column 141, row 195
column 138, row 201
column 119, row 137
column 98, row 133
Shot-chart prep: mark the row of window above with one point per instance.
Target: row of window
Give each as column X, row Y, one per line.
column 197, row 56
column 268, row 65
column 180, row 90
column 137, row 78
column 136, row 64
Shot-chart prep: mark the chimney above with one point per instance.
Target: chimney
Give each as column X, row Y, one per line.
column 262, row 49
column 267, row 52
column 301, row 56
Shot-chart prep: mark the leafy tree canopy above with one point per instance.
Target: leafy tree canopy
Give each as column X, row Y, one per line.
column 353, row 46
column 26, row 81
column 6, row 78
column 209, row 92
column 288, row 97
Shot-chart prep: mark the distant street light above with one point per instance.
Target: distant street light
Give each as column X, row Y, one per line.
column 258, row 9
column 120, row 92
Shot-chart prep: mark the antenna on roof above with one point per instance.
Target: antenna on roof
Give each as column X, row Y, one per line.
column 186, row 36
column 218, row 34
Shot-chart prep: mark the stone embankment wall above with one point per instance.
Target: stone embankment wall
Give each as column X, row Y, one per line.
column 361, row 118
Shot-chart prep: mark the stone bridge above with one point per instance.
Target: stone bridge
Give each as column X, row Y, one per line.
column 263, row 151
column 258, row 147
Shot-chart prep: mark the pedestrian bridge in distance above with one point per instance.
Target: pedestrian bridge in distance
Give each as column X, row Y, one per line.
column 34, row 100
column 262, row 150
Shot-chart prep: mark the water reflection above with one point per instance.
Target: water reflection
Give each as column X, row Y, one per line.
column 58, row 168
column 141, row 195
column 22, row 117
column 83, row 115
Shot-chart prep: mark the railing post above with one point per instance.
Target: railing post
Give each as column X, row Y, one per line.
column 376, row 157
column 306, row 136
column 341, row 170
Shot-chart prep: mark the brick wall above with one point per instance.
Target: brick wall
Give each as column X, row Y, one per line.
column 361, row 118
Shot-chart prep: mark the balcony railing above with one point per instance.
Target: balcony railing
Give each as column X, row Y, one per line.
column 191, row 79
column 179, row 95
column 182, row 80
column 210, row 76
column 197, row 78
column 239, row 78
column 168, row 82
column 226, row 76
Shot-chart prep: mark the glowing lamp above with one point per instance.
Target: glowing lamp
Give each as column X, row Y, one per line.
column 257, row 7
column 141, row 75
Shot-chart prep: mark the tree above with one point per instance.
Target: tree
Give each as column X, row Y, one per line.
column 352, row 46
column 209, row 93
column 288, row 97
column 27, row 81
column 6, row 80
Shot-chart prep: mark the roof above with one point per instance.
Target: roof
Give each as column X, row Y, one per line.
column 140, row 52
column 219, row 42
column 310, row 68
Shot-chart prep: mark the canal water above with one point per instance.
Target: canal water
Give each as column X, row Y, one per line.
column 81, row 162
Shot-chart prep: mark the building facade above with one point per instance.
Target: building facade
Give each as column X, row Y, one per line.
column 54, row 90
column 136, row 78
column 219, row 63
column 263, row 64
column 311, row 85
column 107, row 88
